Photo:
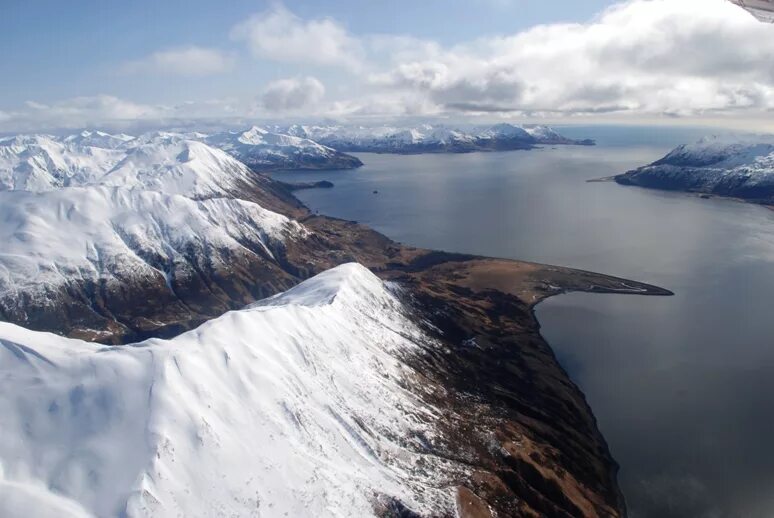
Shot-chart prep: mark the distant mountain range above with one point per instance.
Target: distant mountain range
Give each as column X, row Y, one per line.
column 28, row 159
column 739, row 167
column 36, row 161
column 262, row 150
column 429, row 138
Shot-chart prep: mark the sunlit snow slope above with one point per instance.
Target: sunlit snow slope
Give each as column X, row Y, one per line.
column 264, row 150
column 295, row 406
column 115, row 235
column 166, row 162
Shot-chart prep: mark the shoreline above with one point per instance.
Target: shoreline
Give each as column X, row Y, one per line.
column 695, row 194
column 499, row 381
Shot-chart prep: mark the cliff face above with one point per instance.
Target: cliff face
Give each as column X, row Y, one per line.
column 514, row 433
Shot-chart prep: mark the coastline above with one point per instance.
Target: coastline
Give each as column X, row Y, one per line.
column 489, row 304
column 694, row 193
column 497, row 378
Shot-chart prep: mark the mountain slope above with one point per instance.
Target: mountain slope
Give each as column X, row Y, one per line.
column 339, row 397
column 262, row 150
column 41, row 162
column 80, row 254
column 473, row 400
column 45, row 162
column 303, row 396
column 171, row 164
column 739, row 167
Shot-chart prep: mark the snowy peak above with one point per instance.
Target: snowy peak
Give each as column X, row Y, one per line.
column 721, row 151
column 122, row 236
column 506, row 131
column 88, row 230
column 41, row 162
column 178, row 166
column 261, row 149
column 254, row 136
column 349, row 284
column 306, row 398
column 99, row 139
column 166, row 162
column 430, row 138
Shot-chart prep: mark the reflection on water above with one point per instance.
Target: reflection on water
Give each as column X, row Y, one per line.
column 681, row 386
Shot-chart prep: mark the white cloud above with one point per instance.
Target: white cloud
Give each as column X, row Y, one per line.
column 78, row 112
column 100, row 107
column 640, row 59
column 686, row 57
column 280, row 35
column 105, row 111
column 292, row 94
column 185, row 61
column 35, row 105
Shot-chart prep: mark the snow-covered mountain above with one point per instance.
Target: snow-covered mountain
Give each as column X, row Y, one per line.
column 102, row 245
column 166, row 162
column 736, row 166
column 428, row 138
column 172, row 164
column 44, row 162
column 263, row 150
column 66, row 235
column 99, row 139
column 300, row 405
column 87, row 230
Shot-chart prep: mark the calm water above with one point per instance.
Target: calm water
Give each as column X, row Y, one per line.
column 683, row 386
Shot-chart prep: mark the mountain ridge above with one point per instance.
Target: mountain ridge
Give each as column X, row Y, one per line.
column 429, row 138
column 326, row 398
column 512, row 434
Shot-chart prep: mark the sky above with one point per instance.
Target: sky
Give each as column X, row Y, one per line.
column 90, row 63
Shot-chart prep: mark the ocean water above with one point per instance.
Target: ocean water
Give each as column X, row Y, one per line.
column 681, row 386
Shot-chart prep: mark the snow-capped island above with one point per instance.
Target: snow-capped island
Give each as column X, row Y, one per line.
column 732, row 166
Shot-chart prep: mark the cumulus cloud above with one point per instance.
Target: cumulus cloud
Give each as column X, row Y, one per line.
column 292, row 94
column 185, row 61
column 642, row 59
column 686, row 57
column 107, row 111
column 78, row 112
column 280, row 35
column 100, row 107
